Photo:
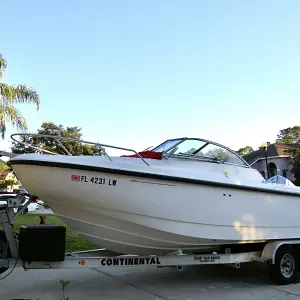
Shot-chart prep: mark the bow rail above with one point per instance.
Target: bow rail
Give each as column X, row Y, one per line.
column 58, row 139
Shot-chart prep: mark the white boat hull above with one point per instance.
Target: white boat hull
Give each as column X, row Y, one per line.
column 132, row 214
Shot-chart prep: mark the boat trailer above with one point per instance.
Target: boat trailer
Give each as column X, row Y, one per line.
column 42, row 246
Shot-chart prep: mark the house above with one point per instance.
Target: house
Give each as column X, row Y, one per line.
column 3, row 171
column 277, row 158
column 8, row 180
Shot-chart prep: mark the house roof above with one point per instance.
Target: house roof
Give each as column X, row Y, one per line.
column 272, row 150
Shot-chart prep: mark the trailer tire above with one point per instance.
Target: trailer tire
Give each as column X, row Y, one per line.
column 285, row 269
column 3, row 245
column 3, row 270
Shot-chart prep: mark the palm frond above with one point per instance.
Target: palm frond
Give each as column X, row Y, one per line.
column 18, row 94
column 25, row 94
column 7, row 93
column 3, row 65
column 2, row 129
column 11, row 95
column 9, row 113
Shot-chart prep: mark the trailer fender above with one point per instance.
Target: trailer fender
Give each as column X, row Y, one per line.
column 270, row 249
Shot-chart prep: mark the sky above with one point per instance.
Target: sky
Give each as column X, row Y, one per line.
column 134, row 73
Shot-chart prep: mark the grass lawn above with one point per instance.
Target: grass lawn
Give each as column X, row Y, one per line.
column 74, row 241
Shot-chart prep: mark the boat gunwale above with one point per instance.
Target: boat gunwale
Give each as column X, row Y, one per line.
column 63, row 165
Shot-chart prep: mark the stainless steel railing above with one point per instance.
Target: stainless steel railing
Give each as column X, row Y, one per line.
column 58, row 139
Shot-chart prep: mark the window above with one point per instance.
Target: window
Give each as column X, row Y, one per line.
column 272, row 169
column 166, row 145
column 189, row 147
column 220, row 153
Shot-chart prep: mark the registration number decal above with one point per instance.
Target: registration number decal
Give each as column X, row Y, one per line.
column 94, row 180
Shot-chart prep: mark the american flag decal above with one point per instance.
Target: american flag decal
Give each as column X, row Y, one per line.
column 75, row 177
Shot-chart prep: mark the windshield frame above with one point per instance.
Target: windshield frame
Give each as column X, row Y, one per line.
column 177, row 141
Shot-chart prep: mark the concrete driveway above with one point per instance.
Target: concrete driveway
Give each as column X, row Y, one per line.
column 202, row 282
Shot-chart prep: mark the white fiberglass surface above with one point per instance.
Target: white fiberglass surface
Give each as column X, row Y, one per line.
column 173, row 167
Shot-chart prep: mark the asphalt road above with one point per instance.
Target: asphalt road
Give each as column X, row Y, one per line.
column 201, row 282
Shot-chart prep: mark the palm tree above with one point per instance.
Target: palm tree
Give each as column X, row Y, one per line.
column 10, row 95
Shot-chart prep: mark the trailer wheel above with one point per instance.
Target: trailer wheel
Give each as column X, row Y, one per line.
column 4, row 249
column 285, row 269
column 2, row 270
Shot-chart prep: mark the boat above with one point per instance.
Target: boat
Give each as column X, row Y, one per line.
column 186, row 194
column 280, row 180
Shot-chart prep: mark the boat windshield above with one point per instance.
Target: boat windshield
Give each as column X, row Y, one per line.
column 169, row 144
column 199, row 149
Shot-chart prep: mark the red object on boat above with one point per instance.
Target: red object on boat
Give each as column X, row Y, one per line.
column 147, row 154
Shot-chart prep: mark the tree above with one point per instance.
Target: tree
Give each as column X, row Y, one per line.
column 3, row 166
column 290, row 135
column 50, row 144
column 295, row 163
column 245, row 150
column 4, row 170
column 4, row 184
column 218, row 153
column 10, row 95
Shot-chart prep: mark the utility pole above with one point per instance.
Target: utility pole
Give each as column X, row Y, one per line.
column 265, row 147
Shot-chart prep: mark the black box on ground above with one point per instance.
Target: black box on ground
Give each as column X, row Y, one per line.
column 43, row 242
